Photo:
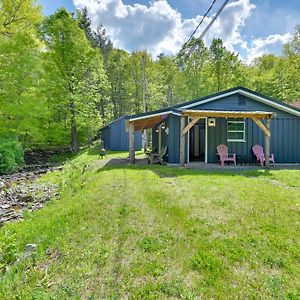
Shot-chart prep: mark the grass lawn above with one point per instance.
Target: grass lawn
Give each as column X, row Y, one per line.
column 152, row 232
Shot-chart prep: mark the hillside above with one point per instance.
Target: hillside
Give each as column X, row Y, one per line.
column 143, row 232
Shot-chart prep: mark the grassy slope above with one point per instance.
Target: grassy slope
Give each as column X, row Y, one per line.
column 159, row 232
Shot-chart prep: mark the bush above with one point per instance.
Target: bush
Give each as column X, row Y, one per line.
column 11, row 155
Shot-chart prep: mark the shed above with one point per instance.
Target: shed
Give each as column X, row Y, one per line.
column 115, row 137
column 238, row 118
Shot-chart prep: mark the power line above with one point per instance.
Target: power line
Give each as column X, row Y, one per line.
column 197, row 27
column 213, row 19
column 203, row 32
column 209, row 25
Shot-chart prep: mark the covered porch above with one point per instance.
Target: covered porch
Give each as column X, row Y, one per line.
column 189, row 118
column 141, row 123
column 186, row 120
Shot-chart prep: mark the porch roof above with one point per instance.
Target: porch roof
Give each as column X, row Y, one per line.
column 148, row 121
column 227, row 114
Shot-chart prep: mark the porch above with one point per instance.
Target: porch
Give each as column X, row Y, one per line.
column 196, row 123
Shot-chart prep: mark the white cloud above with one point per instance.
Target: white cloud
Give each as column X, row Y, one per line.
column 261, row 46
column 160, row 28
column 229, row 24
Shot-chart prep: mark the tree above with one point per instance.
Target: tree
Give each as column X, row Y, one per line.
column 193, row 59
column 77, row 68
column 291, row 52
column 19, row 64
column 225, row 67
column 98, row 38
column 19, row 16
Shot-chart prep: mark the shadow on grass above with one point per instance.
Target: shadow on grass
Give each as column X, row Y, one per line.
column 94, row 151
column 175, row 171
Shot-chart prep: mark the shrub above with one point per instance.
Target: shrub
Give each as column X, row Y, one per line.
column 11, row 155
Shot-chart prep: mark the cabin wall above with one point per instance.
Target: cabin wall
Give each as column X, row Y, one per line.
column 284, row 142
column 173, row 141
column 116, row 138
column 105, row 137
column 284, row 131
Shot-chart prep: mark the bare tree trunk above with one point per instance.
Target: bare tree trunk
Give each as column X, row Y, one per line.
column 145, row 139
column 170, row 95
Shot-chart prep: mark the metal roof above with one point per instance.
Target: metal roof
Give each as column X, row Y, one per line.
column 176, row 109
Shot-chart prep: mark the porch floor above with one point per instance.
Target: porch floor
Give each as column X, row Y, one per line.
column 231, row 167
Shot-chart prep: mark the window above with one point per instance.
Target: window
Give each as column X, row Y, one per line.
column 236, row 131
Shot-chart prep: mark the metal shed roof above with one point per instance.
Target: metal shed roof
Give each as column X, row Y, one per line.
column 177, row 109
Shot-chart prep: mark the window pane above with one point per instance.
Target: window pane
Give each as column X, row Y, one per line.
column 236, row 126
column 235, row 135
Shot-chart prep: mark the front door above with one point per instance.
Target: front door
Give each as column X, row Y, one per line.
column 197, row 142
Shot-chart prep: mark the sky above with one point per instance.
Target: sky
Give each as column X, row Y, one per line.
column 248, row 27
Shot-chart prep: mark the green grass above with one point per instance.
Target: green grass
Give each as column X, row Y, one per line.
column 152, row 232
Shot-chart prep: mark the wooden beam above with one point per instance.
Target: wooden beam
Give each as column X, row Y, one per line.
column 182, row 142
column 131, row 143
column 190, row 125
column 159, row 138
column 226, row 114
column 264, row 128
column 150, row 122
column 267, row 145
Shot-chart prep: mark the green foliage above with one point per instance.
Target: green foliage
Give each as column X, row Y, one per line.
column 77, row 69
column 8, row 248
column 11, row 155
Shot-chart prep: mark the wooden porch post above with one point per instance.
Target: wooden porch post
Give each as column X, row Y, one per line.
column 159, row 138
column 131, row 143
column 182, row 141
column 267, row 144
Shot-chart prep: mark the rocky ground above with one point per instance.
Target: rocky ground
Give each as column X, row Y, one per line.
column 21, row 192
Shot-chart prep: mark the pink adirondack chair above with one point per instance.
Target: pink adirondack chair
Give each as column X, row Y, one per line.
column 260, row 156
column 225, row 156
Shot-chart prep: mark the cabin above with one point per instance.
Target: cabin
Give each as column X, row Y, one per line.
column 238, row 118
column 115, row 137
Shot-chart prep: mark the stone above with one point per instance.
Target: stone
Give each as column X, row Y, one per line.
column 31, row 248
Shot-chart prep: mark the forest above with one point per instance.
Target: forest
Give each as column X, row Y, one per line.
column 61, row 78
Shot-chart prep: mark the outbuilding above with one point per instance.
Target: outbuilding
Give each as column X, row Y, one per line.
column 238, row 118
column 115, row 137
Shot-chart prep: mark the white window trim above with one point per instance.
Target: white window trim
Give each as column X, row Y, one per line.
column 243, row 131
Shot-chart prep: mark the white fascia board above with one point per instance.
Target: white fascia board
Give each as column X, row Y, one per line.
column 149, row 116
column 209, row 99
column 271, row 103
column 250, row 95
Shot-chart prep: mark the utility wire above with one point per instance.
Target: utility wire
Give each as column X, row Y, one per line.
column 203, row 32
column 197, row 27
column 191, row 36
column 208, row 26
column 213, row 20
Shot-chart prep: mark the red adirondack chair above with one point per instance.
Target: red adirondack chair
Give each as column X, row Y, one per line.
column 225, row 156
column 260, row 156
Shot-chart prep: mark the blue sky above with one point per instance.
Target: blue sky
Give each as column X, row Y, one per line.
column 250, row 27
